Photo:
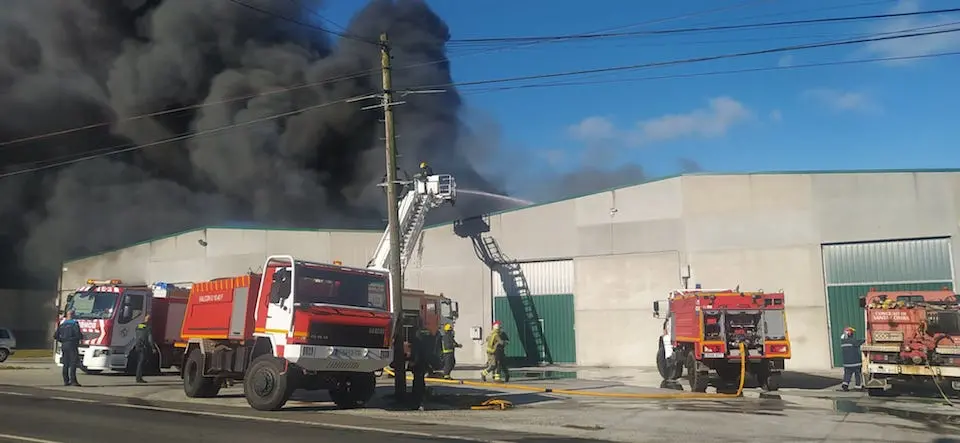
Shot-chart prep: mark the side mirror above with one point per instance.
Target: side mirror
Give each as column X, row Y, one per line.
column 656, row 309
column 863, row 302
column 455, row 312
column 126, row 314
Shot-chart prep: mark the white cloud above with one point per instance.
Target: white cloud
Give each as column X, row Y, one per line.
column 593, row 129
column 842, row 100
column 785, row 61
column 776, row 115
column 912, row 46
column 712, row 121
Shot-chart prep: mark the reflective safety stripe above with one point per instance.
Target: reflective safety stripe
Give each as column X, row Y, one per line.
column 447, row 351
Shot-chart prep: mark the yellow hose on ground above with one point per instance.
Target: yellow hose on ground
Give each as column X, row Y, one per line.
column 658, row 396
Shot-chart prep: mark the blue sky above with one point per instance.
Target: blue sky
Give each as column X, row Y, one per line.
column 867, row 116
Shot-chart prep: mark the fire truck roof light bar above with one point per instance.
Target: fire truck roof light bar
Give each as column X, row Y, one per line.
column 114, row 281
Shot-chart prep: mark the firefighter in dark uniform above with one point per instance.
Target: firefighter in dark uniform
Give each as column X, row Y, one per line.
column 425, row 171
column 448, row 347
column 143, row 345
column 420, row 356
column 69, row 335
column 852, row 359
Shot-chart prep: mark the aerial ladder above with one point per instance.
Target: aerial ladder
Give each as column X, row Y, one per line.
column 427, row 193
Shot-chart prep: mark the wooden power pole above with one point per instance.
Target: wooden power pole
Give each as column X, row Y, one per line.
column 393, row 224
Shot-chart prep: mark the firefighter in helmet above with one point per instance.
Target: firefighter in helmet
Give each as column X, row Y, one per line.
column 448, row 345
column 495, row 344
column 852, row 359
column 425, row 171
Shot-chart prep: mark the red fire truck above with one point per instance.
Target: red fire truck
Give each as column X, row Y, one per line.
column 299, row 325
column 108, row 312
column 702, row 330
column 911, row 338
column 429, row 311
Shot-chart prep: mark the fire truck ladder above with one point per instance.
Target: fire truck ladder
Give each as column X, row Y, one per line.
column 512, row 273
column 426, row 194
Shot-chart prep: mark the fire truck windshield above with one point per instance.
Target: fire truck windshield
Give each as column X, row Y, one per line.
column 320, row 286
column 93, row 305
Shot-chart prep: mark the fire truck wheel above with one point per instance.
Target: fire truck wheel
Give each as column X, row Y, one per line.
column 698, row 380
column 195, row 385
column 266, row 386
column 771, row 382
column 354, row 391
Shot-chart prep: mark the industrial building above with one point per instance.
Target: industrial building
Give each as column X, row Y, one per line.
column 593, row 265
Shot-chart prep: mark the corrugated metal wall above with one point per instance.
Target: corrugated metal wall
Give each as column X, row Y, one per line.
column 544, row 277
column 556, row 319
column 550, row 285
column 850, row 270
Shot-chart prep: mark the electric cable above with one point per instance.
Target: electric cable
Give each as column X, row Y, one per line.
column 704, row 28
column 359, row 74
column 689, row 60
column 127, row 147
column 712, row 73
column 305, row 24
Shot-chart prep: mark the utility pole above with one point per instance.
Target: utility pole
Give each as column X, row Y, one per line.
column 393, row 224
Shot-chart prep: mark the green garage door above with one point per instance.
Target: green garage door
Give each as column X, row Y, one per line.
column 851, row 269
column 557, row 322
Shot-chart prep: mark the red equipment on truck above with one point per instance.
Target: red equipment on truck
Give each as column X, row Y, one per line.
column 108, row 313
column 299, row 325
column 702, row 331
column 911, row 338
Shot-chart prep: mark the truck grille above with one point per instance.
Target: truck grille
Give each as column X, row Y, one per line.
column 327, row 334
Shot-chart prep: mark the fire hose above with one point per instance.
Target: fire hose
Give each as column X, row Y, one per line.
column 626, row 395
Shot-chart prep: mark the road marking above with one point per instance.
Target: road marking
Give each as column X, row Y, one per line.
column 26, row 439
column 309, row 423
column 17, row 393
column 79, row 400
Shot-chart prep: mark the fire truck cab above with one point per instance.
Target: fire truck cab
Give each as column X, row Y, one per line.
column 108, row 312
column 430, row 312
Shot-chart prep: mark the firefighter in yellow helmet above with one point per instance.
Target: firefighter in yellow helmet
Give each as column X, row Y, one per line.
column 425, row 171
column 448, row 345
column 496, row 344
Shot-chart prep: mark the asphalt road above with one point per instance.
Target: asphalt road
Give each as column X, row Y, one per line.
column 29, row 415
column 41, row 420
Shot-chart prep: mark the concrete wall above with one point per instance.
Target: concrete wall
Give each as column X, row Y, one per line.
column 630, row 247
column 30, row 314
column 210, row 253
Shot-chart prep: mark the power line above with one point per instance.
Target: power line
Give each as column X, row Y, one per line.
column 112, row 150
column 692, row 60
column 308, row 25
column 712, row 73
column 118, row 149
column 4, row 144
column 317, row 14
column 568, row 37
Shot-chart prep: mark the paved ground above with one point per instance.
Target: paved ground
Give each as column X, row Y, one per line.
column 808, row 409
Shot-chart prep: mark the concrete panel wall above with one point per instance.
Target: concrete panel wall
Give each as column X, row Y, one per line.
column 614, row 306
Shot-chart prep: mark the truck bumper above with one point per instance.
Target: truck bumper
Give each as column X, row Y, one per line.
column 336, row 358
column 94, row 358
column 929, row 371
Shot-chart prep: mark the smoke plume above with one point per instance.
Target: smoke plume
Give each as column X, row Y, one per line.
column 71, row 63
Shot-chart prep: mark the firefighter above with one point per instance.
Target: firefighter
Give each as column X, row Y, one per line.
column 425, row 171
column 143, row 345
column 852, row 359
column 496, row 343
column 68, row 334
column 420, row 355
column 448, row 346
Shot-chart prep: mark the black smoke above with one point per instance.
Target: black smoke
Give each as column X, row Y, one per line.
column 72, row 63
